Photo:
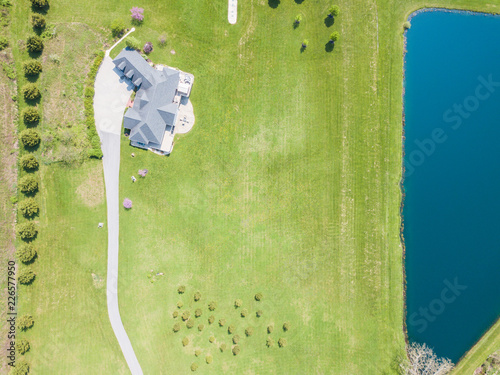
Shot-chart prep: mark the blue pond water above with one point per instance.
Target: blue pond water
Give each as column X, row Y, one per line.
column 452, row 182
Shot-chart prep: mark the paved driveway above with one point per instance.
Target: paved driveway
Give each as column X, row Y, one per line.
column 110, row 100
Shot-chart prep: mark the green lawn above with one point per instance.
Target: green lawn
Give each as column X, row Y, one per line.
column 288, row 185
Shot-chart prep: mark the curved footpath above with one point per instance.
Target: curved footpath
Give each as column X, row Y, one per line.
column 110, row 99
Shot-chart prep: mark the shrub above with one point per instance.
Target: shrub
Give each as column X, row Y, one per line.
column 236, row 350
column 269, row 342
column 211, row 339
column 197, row 352
column 211, row 319
column 258, row 296
column 4, row 43
column 137, row 14
column 127, row 203
column 176, row 327
column 94, row 153
column 185, row 341
column 26, row 276
column 249, row 331
column 29, row 162
column 198, row 313
column 133, row 43
column 21, row 368
column 175, row 314
column 117, row 27
column 259, row 313
column 22, row 346
column 305, row 43
column 270, row 328
column 31, row 115
column 407, row 25
column 30, row 137
column 282, row 343
column 26, row 231
column 148, row 48
column 179, row 305
column 34, row 43
column 208, row 359
column 185, row 315
column 334, row 11
column 238, row 303
column 298, row 18
column 38, row 21
column 222, row 322
column 222, row 347
column 24, row 322
column 28, row 184
column 181, row 289
column 39, row 3
column 26, row 253
column 286, row 326
column 212, row 306
column 244, row 313
column 28, row 207
column 236, row 339
column 334, row 36
column 190, row 323
column 30, row 91
column 231, row 329
column 200, row 327
column 197, row 296
column 194, row 366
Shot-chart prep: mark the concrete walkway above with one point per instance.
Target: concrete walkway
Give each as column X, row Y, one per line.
column 110, row 100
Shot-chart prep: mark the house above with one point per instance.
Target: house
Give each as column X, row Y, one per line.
column 155, row 111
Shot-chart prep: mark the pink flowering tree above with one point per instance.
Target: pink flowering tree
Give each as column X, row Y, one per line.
column 137, row 14
column 148, row 48
column 127, row 203
column 143, row 172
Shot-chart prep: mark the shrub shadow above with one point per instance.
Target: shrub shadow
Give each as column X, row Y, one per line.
column 302, row 49
column 299, row 1
column 329, row 46
column 33, row 102
column 35, row 55
column 273, row 3
column 32, row 78
column 43, row 10
column 329, row 21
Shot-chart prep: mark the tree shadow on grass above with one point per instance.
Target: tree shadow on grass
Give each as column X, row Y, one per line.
column 274, row 3
column 295, row 25
column 329, row 21
column 31, row 149
column 299, row 1
column 32, row 78
column 329, row 46
column 33, row 102
column 35, row 55
column 302, row 49
column 42, row 10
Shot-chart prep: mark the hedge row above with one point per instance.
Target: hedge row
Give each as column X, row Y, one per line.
column 95, row 141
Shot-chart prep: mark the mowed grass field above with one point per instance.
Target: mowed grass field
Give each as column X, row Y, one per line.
column 288, row 185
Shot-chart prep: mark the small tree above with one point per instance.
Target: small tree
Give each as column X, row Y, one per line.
column 148, row 48
column 269, row 342
column 211, row 319
column 197, row 296
column 24, row 322
column 176, row 327
column 30, row 137
column 194, row 366
column 211, row 339
column 333, row 11
column 190, row 323
column 37, row 21
column 181, row 289
column 282, row 342
column 422, row 360
column 298, row 18
column 258, row 296
column 28, row 207
column 186, row 315
column 270, row 328
column 4, row 43
column 117, row 27
column 30, row 91
column 26, row 276
column 179, row 305
column 175, row 314
column 305, row 42
column 39, row 3
column 197, row 313
column 21, row 368
column 244, row 313
column 334, row 36
column 137, row 14
column 208, row 359
column 236, row 350
column 26, row 253
column 31, row 115
column 28, row 184
column 231, row 329
column 212, row 306
column 249, row 331
column 127, row 203
column 200, row 327
column 222, row 322
column 28, row 162
column 238, row 303
column 222, row 347
column 185, row 341
column 133, row 43
column 34, row 43
column 236, row 339
column 407, row 25
column 259, row 313
column 286, row 326
column 32, row 67
column 22, row 346
column 26, row 231
column 197, row 352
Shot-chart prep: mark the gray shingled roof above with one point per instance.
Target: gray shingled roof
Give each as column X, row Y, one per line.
column 153, row 107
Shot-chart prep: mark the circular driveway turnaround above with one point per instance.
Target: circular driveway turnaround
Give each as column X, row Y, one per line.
column 110, row 99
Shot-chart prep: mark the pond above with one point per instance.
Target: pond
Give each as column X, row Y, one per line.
column 452, row 179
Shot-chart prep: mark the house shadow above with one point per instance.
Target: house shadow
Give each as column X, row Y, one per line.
column 274, row 3
column 329, row 21
column 329, row 46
